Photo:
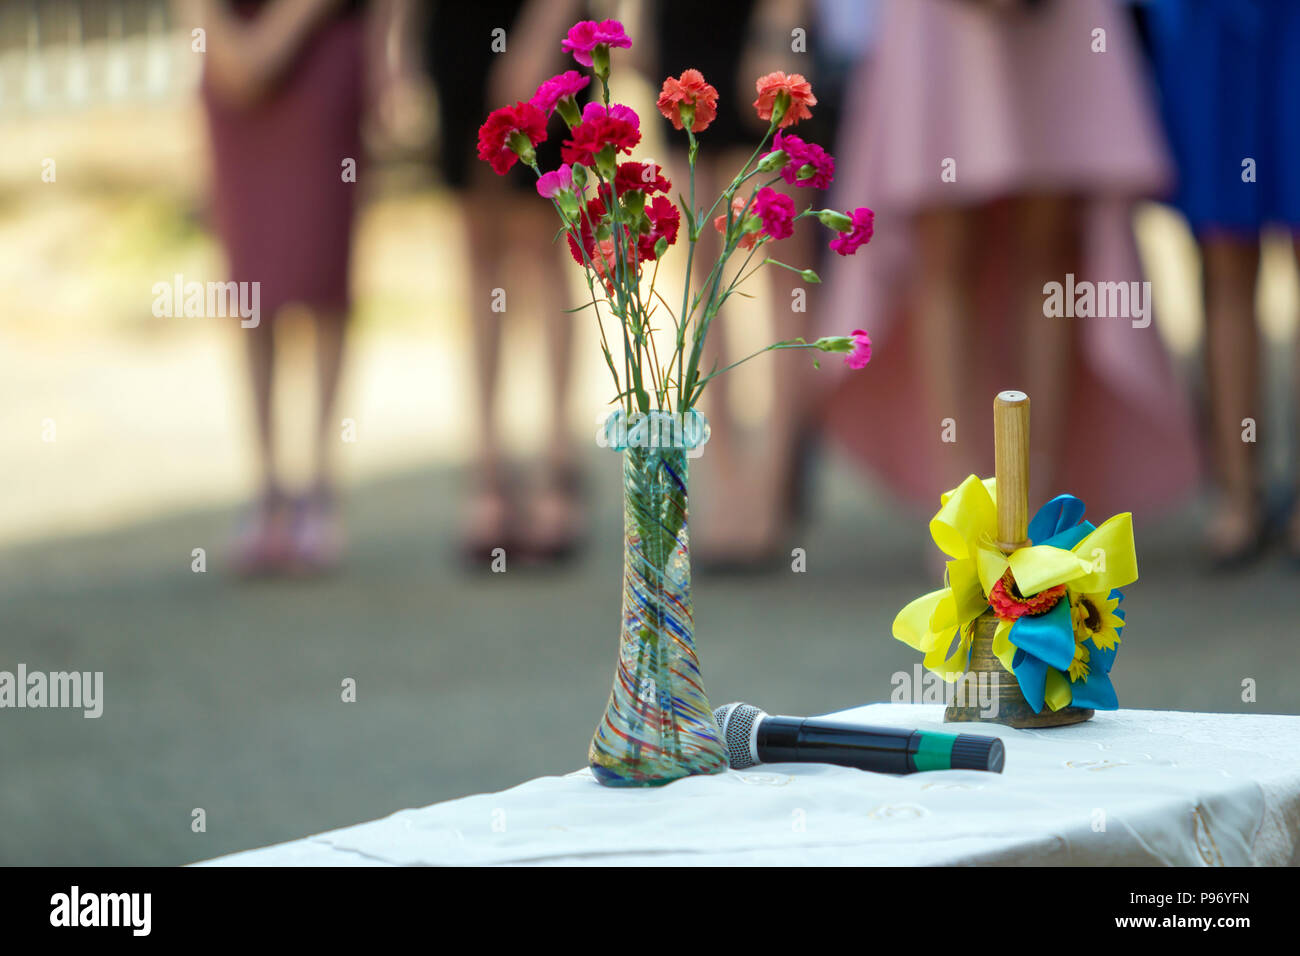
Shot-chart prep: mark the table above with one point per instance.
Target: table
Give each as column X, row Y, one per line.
column 1129, row 787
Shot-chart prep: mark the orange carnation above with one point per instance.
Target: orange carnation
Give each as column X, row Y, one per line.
column 689, row 90
column 793, row 91
column 738, row 204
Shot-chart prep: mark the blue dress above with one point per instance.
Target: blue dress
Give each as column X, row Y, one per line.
column 1229, row 78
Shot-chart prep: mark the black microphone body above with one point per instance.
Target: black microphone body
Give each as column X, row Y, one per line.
column 754, row 737
column 804, row 740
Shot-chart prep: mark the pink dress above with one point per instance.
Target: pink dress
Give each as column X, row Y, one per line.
column 1023, row 104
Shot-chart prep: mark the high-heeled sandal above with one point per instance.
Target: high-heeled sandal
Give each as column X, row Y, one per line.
column 481, row 543
column 317, row 532
column 561, row 542
column 1289, row 534
column 1245, row 552
column 263, row 543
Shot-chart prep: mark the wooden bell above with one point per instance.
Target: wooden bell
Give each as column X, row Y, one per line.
column 1011, row 447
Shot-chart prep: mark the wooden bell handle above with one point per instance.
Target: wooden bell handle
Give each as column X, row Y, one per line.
column 1011, row 448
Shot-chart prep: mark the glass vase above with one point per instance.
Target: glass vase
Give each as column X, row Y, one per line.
column 658, row 726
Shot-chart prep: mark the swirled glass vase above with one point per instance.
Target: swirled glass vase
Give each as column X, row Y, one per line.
column 658, row 726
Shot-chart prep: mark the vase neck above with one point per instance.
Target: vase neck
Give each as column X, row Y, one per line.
column 657, row 430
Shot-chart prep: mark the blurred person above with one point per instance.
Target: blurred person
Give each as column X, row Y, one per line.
column 758, row 485
column 1229, row 73
column 1002, row 145
column 283, row 91
column 509, row 236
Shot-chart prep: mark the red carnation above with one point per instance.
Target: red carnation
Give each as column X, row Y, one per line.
column 664, row 223
column 646, row 177
column 510, row 132
column 593, row 135
column 589, row 222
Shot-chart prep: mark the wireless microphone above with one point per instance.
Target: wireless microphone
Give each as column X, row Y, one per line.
column 753, row 737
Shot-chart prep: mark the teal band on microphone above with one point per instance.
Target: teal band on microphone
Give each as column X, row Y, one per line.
column 934, row 751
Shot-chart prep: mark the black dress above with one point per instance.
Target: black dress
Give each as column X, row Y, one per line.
column 459, row 57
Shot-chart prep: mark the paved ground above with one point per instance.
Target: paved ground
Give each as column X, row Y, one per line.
column 227, row 696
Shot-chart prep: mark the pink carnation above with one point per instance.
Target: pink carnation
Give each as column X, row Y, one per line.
column 776, row 210
column 567, row 84
column 861, row 353
column 847, row 243
column 617, row 111
column 586, row 35
column 805, row 154
column 551, row 184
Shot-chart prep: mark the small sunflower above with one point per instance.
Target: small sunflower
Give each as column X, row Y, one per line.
column 1079, row 666
column 1093, row 616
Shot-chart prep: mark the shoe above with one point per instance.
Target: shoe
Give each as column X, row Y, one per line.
column 317, row 532
column 556, row 528
column 490, row 524
column 1237, row 539
column 263, row 544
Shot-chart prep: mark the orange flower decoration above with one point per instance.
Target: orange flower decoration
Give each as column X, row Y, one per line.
column 798, row 96
column 689, row 90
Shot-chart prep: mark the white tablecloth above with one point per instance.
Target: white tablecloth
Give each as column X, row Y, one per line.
column 1127, row 787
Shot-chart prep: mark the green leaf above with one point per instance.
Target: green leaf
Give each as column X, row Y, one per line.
column 688, row 213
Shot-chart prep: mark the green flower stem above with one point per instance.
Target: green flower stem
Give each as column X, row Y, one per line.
column 693, row 236
column 775, row 347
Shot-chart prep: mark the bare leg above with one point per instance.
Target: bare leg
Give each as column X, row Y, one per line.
column 1232, row 370
column 555, row 515
column 741, row 527
column 1047, row 229
column 709, row 177
column 317, row 526
column 330, row 330
column 792, row 374
column 943, row 300
column 487, row 515
column 1293, row 528
column 259, row 345
column 262, row 543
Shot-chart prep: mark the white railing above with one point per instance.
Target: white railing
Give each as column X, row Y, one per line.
column 58, row 55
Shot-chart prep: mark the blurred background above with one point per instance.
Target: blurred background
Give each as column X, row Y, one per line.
column 347, row 530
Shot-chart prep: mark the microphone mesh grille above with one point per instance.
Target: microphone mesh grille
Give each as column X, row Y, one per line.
column 737, row 722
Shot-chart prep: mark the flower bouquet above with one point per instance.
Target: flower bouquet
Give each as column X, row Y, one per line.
column 619, row 220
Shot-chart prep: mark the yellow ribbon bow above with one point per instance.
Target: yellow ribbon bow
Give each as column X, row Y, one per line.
column 939, row 624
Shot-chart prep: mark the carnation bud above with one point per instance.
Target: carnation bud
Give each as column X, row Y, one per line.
column 779, row 106
column 807, row 171
column 568, row 204
column 835, row 343
column 634, row 202
column 579, row 177
column 605, row 163
column 773, row 161
column 567, row 107
column 523, row 148
column 600, row 61
column 835, row 220
column 809, row 276
column 661, row 246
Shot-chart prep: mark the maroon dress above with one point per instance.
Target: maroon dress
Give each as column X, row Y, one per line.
column 280, row 202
